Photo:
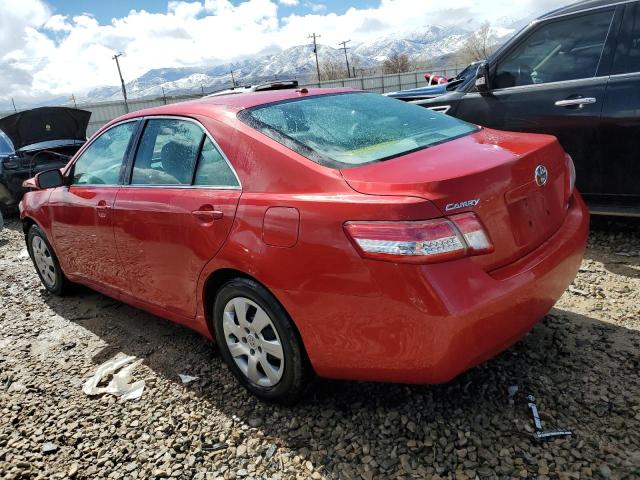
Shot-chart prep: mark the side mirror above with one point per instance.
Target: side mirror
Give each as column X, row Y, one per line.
column 482, row 78
column 49, row 179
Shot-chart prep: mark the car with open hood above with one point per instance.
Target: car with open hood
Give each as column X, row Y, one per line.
column 33, row 141
column 317, row 231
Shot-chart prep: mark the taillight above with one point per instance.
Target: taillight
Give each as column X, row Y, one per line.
column 427, row 241
column 571, row 175
column 476, row 238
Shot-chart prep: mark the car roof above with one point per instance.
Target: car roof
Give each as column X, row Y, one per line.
column 579, row 7
column 208, row 106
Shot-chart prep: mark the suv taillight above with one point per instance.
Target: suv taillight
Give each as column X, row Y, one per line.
column 426, row 241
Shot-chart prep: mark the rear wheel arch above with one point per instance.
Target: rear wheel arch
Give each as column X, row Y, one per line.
column 217, row 279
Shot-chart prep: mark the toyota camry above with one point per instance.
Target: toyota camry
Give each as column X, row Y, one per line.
column 320, row 232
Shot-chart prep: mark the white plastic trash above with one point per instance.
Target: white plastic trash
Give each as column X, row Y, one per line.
column 121, row 367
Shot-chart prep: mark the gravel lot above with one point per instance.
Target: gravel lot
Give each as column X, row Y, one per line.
column 581, row 362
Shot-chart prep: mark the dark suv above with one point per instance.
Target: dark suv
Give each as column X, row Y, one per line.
column 573, row 73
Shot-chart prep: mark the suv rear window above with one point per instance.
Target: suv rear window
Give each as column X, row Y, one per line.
column 351, row 129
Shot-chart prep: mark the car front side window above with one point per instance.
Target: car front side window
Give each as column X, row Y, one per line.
column 567, row 49
column 167, row 153
column 101, row 162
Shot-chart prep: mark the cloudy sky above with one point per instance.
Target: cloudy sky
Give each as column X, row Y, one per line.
column 61, row 47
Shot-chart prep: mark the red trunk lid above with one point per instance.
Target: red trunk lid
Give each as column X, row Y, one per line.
column 491, row 173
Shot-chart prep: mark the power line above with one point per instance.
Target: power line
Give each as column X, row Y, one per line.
column 346, row 58
column 124, row 89
column 315, row 50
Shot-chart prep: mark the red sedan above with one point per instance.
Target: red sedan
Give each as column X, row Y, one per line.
column 332, row 232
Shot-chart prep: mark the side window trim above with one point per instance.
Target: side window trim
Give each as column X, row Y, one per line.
column 70, row 169
column 537, row 25
column 206, row 135
column 133, row 151
column 196, row 165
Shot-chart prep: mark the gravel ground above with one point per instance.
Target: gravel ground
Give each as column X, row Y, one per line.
column 581, row 363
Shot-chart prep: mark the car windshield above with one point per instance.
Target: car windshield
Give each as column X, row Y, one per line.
column 351, row 129
column 5, row 144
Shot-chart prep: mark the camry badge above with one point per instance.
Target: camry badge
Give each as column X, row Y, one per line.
column 541, row 175
column 467, row 203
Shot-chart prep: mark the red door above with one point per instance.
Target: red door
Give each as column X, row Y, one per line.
column 165, row 238
column 175, row 214
column 82, row 214
column 83, row 232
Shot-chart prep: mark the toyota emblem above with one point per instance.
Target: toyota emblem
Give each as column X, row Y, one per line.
column 541, row 175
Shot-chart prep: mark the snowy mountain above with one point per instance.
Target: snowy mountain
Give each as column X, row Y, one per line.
column 428, row 43
column 295, row 62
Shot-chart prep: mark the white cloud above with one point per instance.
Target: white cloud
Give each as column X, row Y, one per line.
column 289, row 3
column 46, row 54
column 317, row 7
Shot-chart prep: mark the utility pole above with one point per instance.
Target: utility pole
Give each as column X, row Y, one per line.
column 73, row 97
column 344, row 47
column 164, row 97
column 233, row 80
column 315, row 50
column 14, row 105
column 124, row 90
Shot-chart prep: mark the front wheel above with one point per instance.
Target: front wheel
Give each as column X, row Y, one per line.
column 46, row 262
column 259, row 343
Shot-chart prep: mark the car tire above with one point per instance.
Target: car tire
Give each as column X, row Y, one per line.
column 45, row 262
column 259, row 343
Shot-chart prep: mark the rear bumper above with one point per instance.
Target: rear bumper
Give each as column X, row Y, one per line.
column 436, row 321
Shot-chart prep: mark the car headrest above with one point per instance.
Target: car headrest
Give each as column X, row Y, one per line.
column 177, row 160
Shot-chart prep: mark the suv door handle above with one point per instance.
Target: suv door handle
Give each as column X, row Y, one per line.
column 575, row 102
column 206, row 213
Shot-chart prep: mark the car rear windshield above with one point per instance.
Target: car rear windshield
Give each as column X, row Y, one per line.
column 345, row 130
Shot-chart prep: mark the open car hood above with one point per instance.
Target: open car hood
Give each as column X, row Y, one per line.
column 45, row 124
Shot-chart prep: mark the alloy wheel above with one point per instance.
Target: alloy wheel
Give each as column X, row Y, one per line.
column 44, row 261
column 253, row 342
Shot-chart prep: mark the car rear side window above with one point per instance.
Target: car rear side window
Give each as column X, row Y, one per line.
column 213, row 169
column 567, row 49
column 351, row 129
column 627, row 57
column 167, row 152
column 101, row 162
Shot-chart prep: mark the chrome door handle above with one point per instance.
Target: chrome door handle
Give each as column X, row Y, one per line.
column 207, row 215
column 575, row 102
column 103, row 209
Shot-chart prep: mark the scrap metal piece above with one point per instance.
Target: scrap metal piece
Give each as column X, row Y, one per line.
column 554, row 433
column 537, row 423
column 534, row 412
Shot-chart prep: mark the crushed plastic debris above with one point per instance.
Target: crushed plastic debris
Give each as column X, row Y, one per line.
column 120, row 368
column 539, row 434
column 187, row 378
